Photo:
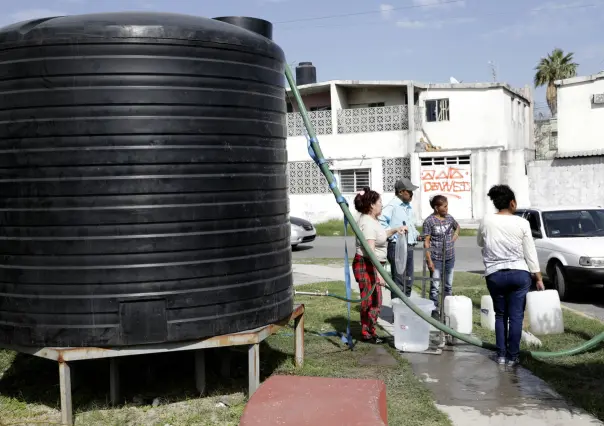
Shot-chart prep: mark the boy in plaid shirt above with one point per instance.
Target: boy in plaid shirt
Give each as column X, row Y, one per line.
column 441, row 231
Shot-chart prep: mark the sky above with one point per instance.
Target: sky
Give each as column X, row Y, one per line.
column 423, row 40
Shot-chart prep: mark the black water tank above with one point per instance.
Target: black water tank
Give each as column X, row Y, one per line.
column 259, row 26
column 306, row 73
column 143, row 190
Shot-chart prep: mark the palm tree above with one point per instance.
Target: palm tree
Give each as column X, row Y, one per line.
column 556, row 66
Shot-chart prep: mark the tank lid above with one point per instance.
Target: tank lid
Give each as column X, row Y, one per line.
column 255, row 25
column 139, row 27
column 305, row 64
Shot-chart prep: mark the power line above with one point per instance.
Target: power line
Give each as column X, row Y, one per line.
column 424, row 22
column 370, row 12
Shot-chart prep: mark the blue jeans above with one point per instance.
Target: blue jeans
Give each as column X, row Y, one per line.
column 437, row 276
column 508, row 289
column 406, row 283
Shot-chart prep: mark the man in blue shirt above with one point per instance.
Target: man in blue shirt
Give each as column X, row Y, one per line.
column 399, row 212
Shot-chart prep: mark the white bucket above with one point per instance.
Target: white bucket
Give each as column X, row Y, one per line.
column 411, row 332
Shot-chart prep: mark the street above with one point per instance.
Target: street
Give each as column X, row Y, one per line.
column 467, row 259
column 467, row 253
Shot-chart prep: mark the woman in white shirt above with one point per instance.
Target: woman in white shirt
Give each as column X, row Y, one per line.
column 510, row 261
column 369, row 204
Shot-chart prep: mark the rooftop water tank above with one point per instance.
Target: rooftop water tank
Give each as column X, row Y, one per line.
column 306, row 73
column 143, row 190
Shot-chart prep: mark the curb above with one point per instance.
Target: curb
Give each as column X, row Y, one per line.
column 582, row 314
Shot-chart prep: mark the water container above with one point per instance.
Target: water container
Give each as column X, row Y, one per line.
column 458, row 313
column 544, row 312
column 487, row 313
column 411, row 332
column 143, row 183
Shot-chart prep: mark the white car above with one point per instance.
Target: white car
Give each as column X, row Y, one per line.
column 570, row 245
column 302, row 231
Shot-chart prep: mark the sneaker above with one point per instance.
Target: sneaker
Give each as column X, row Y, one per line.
column 501, row 360
column 513, row 362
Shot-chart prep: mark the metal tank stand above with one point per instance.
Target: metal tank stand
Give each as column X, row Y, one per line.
column 249, row 338
column 441, row 296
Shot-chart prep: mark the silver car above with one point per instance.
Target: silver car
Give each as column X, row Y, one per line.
column 302, row 231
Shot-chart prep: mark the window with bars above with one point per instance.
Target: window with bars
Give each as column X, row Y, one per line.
column 354, row 180
column 437, row 110
column 442, row 161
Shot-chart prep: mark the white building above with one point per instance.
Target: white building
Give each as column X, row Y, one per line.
column 580, row 114
column 575, row 173
column 374, row 132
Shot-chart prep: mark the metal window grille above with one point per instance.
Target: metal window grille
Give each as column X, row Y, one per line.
column 354, row 180
column 442, row 161
column 437, row 110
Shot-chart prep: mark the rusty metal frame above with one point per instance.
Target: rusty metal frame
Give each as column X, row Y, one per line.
column 249, row 338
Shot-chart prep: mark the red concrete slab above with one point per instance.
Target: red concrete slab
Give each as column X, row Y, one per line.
column 317, row 401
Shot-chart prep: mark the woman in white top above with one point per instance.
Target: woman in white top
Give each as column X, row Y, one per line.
column 510, row 261
column 369, row 204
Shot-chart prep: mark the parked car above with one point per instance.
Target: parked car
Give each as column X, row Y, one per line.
column 570, row 245
column 302, row 231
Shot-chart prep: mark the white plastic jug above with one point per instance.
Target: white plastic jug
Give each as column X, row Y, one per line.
column 544, row 312
column 458, row 312
column 411, row 333
column 487, row 313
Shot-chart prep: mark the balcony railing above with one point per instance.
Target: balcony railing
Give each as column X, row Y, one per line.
column 357, row 120
column 321, row 121
column 378, row 119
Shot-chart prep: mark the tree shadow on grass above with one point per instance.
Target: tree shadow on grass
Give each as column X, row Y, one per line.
column 170, row 377
column 581, row 384
column 339, row 324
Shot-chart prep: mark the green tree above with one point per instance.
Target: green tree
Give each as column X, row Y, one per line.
column 556, row 66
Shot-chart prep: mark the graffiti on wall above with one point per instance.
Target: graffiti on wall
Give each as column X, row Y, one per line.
column 452, row 181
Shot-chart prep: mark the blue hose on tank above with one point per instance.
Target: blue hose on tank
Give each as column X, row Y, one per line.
column 316, row 154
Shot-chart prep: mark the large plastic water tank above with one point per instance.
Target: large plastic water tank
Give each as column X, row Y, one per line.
column 306, row 73
column 143, row 190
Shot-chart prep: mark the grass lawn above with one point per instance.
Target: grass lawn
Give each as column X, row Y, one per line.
column 580, row 378
column 29, row 386
column 335, row 228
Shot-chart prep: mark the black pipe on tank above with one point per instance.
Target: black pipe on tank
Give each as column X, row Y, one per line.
column 256, row 25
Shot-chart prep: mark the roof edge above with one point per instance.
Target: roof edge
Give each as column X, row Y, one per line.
column 580, row 79
column 425, row 86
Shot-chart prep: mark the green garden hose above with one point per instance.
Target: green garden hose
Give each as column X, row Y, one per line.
column 323, row 165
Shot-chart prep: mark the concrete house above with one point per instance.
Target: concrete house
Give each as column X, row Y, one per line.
column 573, row 174
column 451, row 139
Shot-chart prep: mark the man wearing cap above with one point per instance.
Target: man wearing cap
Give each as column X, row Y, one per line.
column 399, row 212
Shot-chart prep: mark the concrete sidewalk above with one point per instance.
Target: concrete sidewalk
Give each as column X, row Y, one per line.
column 467, row 384
column 308, row 274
